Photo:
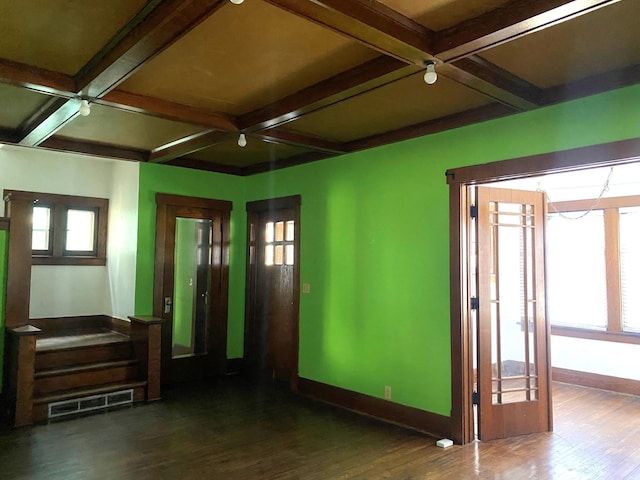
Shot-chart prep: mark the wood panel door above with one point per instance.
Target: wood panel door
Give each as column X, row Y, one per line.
column 513, row 336
column 271, row 328
column 191, row 286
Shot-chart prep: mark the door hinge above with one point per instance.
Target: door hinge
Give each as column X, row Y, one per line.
column 475, row 303
column 473, row 211
column 475, row 398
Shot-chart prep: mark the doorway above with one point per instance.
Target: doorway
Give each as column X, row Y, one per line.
column 272, row 289
column 191, row 284
column 462, row 366
column 510, row 337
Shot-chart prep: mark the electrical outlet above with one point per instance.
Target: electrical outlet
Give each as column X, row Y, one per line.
column 387, row 392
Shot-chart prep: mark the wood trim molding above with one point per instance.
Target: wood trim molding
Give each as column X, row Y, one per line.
column 405, row 416
column 594, row 380
column 291, row 201
column 623, row 151
column 4, row 223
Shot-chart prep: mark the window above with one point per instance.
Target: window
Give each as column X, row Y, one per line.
column 68, row 230
column 279, row 238
column 592, row 274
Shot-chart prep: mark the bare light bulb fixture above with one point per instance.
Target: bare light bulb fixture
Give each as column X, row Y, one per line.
column 85, row 108
column 242, row 140
column 236, row 2
column 430, row 76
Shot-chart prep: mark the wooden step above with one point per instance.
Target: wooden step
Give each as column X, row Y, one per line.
column 80, row 355
column 40, row 403
column 73, row 377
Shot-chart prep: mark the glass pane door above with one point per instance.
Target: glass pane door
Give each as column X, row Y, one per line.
column 192, row 283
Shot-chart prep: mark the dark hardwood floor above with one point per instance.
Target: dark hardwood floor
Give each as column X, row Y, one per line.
column 232, row 431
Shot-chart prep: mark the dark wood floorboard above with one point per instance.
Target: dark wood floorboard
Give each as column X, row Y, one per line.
column 230, row 430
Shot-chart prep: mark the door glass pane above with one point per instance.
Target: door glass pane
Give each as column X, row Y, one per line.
column 288, row 255
column 279, row 255
column 513, row 304
column 279, row 231
column 630, row 273
column 192, row 283
column 289, row 237
column 576, row 270
column 269, row 233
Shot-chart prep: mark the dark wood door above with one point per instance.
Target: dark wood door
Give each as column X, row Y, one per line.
column 513, row 337
column 191, row 286
column 271, row 333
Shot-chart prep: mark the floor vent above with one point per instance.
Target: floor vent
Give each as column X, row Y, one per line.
column 88, row 404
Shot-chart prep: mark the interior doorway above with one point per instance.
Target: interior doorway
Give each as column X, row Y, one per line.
column 272, row 292
column 462, row 361
column 191, row 284
column 510, row 338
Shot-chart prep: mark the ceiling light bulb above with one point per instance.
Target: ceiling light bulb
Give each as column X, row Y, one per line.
column 430, row 75
column 85, row 108
column 237, row 2
column 242, row 140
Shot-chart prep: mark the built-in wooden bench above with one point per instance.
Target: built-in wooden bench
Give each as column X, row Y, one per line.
column 77, row 364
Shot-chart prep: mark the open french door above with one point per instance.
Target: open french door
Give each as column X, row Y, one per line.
column 512, row 333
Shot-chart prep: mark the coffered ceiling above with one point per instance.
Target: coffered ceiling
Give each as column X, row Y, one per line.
column 176, row 81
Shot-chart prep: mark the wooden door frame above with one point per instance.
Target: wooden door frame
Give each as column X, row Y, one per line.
column 254, row 209
column 607, row 154
column 219, row 322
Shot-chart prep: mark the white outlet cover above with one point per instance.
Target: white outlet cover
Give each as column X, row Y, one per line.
column 444, row 443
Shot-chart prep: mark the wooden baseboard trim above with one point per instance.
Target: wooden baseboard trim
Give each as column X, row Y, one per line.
column 426, row 422
column 594, row 380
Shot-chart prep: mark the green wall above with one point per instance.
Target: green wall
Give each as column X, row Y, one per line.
column 195, row 183
column 4, row 245
column 374, row 242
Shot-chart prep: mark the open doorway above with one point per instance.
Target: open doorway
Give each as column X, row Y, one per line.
column 592, row 279
column 617, row 153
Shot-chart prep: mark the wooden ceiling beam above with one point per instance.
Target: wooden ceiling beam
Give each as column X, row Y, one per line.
column 156, row 27
column 364, row 77
column 371, row 23
column 489, row 79
column 368, row 22
column 476, row 115
column 94, row 149
column 208, row 166
column 506, row 23
column 36, row 79
column 190, row 144
column 168, row 110
column 294, row 139
column 47, row 120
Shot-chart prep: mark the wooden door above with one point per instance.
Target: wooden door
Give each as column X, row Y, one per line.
column 191, row 286
column 271, row 331
column 513, row 337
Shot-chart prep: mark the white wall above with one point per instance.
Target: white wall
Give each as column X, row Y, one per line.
column 81, row 290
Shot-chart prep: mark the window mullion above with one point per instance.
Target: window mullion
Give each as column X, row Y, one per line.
column 59, row 227
column 612, row 261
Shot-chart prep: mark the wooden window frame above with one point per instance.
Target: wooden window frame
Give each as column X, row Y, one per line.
column 611, row 212
column 57, row 254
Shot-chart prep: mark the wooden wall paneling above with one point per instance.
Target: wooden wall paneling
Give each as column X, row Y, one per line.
column 20, row 369
column 146, row 338
column 18, row 206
